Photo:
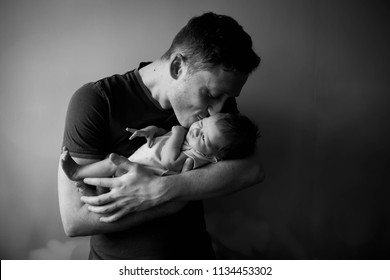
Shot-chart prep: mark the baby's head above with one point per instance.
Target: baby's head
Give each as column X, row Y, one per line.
column 224, row 136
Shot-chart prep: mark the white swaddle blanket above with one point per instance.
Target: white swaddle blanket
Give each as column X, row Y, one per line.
column 150, row 157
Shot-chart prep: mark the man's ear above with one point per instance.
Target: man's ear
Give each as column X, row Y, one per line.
column 177, row 66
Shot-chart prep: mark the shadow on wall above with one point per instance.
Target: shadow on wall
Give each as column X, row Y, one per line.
column 238, row 236
column 73, row 249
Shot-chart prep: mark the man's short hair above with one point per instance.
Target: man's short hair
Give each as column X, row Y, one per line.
column 212, row 40
column 241, row 134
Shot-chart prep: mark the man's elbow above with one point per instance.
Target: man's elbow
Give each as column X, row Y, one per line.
column 70, row 229
column 258, row 168
column 73, row 227
column 260, row 175
column 258, row 172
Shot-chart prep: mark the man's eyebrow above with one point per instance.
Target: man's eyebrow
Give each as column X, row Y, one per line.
column 229, row 94
column 223, row 92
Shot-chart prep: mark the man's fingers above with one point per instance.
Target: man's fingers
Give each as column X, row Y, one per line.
column 103, row 209
column 112, row 218
column 100, row 182
column 97, row 200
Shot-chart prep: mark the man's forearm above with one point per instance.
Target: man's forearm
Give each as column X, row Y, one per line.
column 87, row 223
column 79, row 221
column 140, row 190
column 216, row 180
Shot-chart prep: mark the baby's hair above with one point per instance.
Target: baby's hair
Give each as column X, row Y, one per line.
column 241, row 134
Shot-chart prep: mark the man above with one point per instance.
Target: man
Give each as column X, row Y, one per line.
column 143, row 216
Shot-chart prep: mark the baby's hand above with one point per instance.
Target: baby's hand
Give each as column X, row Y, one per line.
column 147, row 132
column 178, row 129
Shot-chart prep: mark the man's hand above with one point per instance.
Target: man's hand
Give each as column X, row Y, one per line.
column 135, row 190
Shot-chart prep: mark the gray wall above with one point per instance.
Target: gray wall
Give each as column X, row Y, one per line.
column 320, row 98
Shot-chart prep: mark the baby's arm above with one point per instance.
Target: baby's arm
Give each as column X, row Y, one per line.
column 75, row 172
column 148, row 132
column 171, row 153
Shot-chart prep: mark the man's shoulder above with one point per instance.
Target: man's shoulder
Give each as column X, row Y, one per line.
column 105, row 87
column 118, row 83
column 87, row 93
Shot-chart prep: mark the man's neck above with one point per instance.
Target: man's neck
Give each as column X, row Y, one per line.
column 156, row 78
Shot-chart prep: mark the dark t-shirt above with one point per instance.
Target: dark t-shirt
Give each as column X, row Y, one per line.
column 97, row 117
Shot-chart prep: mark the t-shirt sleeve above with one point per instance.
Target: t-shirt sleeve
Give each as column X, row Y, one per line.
column 87, row 123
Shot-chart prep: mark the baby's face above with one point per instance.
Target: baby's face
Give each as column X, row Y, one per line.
column 205, row 137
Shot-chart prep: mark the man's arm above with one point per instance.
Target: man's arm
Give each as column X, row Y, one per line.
column 215, row 180
column 78, row 220
column 138, row 192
